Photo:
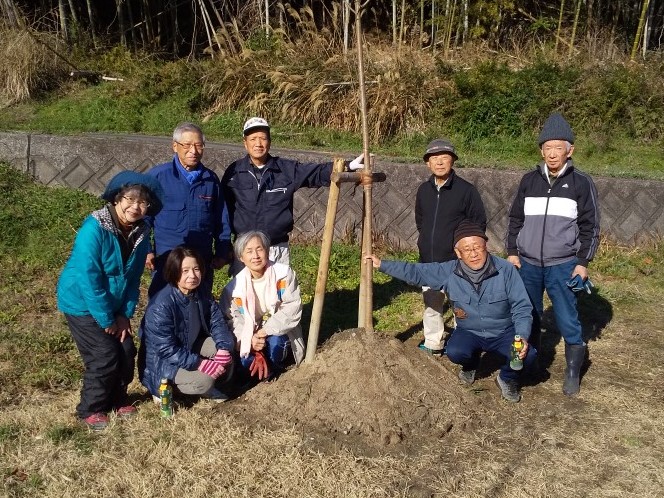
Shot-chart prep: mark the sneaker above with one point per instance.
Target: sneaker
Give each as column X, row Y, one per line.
column 157, row 400
column 96, row 421
column 215, row 395
column 467, row 376
column 127, row 411
column 508, row 389
column 433, row 352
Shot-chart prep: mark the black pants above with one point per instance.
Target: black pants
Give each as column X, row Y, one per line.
column 109, row 366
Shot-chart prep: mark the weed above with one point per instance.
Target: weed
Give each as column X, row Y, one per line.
column 9, row 432
column 78, row 435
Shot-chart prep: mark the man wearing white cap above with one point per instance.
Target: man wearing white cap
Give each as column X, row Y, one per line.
column 259, row 189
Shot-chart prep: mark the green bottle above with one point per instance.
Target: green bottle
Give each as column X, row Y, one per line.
column 166, row 399
column 516, row 363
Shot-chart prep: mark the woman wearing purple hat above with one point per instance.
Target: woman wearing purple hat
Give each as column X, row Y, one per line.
column 99, row 288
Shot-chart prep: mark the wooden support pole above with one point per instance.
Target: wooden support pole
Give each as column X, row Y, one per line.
column 324, row 262
column 365, row 305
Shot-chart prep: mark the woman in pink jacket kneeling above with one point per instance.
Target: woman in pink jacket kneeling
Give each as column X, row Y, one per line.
column 263, row 308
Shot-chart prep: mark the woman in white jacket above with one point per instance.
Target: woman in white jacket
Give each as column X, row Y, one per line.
column 262, row 306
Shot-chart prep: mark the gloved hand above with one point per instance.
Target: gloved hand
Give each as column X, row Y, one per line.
column 577, row 284
column 357, row 163
column 222, row 357
column 259, row 366
column 211, row 368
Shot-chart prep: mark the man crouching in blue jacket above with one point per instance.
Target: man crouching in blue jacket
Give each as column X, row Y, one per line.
column 490, row 305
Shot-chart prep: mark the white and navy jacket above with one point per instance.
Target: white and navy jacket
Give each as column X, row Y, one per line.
column 551, row 224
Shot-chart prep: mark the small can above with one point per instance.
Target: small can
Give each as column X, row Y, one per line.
column 165, row 399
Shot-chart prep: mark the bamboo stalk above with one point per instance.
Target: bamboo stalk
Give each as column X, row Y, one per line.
column 365, row 306
column 324, row 263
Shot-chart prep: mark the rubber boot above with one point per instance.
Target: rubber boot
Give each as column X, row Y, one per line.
column 574, row 355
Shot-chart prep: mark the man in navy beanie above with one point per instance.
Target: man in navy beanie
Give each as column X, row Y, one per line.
column 552, row 235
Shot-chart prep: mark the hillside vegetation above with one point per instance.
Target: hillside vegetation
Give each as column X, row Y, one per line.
column 489, row 94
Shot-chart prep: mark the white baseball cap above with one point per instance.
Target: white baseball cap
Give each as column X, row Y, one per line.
column 254, row 123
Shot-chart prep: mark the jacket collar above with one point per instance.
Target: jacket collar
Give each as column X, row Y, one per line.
column 448, row 183
column 245, row 164
column 491, row 270
column 540, row 168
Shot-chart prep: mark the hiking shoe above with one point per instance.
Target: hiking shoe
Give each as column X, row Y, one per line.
column 96, row 421
column 433, row 352
column 215, row 395
column 128, row 411
column 508, row 389
column 467, row 376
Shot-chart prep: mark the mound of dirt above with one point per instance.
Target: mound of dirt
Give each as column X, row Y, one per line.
column 365, row 390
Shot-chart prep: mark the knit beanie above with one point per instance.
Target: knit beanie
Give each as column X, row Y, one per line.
column 468, row 229
column 555, row 128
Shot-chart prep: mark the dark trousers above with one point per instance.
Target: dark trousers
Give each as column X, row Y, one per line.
column 109, row 366
column 464, row 348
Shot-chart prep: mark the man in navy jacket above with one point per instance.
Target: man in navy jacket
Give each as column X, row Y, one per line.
column 490, row 305
column 552, row 236
column 259, row 189
column 194, row 212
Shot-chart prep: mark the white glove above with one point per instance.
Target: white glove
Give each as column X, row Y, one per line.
column 357, row 163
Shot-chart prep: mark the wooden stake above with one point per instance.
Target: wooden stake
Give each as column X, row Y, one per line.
column 324, row 263
column 365, row 305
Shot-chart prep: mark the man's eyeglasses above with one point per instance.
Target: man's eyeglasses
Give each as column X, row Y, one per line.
column 187, row 146
column 467, row 251
column 142, row 203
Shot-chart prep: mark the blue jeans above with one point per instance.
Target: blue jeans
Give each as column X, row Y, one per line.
column 276, row 350
column 554, row 279
column 464, row 348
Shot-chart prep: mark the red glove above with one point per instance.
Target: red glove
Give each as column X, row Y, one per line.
column 211, row 368
column 222, row 357
column 259, row 366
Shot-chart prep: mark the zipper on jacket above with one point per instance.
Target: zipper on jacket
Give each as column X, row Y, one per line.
column 433, row 228
column 546, row 214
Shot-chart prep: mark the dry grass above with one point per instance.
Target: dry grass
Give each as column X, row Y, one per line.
column 26, row 65
column 608, row 442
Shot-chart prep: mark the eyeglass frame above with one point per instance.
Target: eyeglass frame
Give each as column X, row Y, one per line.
column 142, row 203
column 197, row 145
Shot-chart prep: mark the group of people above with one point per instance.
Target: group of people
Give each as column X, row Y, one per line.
column 552, row 235
column 182, row 222
column 179, row 220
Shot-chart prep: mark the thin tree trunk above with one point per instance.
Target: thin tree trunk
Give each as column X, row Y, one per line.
column 560, row 23
column 93, row 29
column 433, row 26
column 72, row 11
column 346, row 23
column 465, row 21
column 401, row 24
column 121, row 22
column 62, row 13
column 639, row 29
column 394, row 22
column 576, row 23
column 267, row 17
column 421, row 21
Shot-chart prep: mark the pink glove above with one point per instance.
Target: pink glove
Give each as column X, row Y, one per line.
column 222, row 357
column 211, row 368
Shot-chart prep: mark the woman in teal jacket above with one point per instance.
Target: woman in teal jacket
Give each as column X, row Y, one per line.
column 99, row 288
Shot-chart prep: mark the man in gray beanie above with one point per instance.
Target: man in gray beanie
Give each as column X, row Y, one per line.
column 552, row 236
column 441, row 203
